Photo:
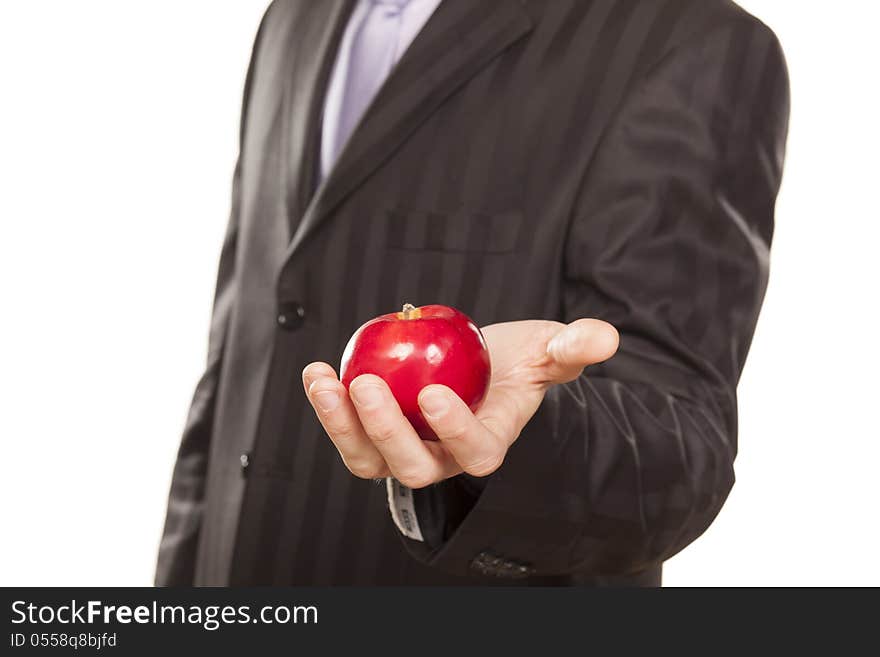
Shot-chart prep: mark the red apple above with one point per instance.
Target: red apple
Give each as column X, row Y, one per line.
column 415, row 348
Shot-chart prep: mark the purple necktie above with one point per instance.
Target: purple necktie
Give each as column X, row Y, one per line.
column 372, row 55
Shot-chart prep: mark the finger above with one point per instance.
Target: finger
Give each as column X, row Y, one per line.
column 581, row 343
column 410, row 462
column 316, row 370
column 474, row 447
column 336, row 413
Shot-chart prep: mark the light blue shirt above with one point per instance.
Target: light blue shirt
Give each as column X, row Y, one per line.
column 377, row 35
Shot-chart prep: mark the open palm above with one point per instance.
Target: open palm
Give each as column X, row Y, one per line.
column 375, row 439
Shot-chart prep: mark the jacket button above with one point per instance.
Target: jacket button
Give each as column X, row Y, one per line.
column 245, row 461
column 492, row 565
column 291, row 316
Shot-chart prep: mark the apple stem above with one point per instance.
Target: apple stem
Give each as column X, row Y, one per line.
column 409, row 311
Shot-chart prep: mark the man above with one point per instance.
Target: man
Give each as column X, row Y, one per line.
column 569, row 174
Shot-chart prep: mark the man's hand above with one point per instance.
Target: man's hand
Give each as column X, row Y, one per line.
column 376, row 440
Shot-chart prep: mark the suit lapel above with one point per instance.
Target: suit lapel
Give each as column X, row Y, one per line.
column 314, row 46
column 460, row 39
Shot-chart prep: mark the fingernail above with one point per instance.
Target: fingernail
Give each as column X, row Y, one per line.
column 326, row 400
column 557, row 344
column 308, row 377
column 367, row 395
column 434, row 403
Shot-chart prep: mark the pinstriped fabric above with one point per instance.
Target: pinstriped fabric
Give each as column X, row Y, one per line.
column 534, row 159
column 324, row 510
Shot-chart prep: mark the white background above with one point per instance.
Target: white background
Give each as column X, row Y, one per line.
column 118, row 134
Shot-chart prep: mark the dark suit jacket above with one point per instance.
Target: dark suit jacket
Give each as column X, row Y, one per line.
column 553, row 159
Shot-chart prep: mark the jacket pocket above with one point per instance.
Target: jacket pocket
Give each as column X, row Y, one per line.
column 462, row 231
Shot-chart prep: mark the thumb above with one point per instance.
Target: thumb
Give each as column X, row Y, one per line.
column 583, row 342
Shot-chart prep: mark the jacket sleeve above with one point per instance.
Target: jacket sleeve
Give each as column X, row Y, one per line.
column 179, row 543
column 669, row 241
